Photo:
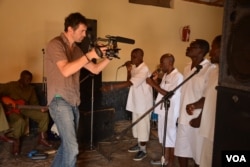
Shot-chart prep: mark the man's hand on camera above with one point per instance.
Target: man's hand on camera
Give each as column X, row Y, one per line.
column 97, row 52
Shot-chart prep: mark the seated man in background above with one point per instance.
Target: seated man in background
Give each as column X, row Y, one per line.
column 22, row 93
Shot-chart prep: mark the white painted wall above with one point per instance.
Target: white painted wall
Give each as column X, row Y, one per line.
column 27, row 26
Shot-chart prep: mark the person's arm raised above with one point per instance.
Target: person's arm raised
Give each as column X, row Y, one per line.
column 69, row 68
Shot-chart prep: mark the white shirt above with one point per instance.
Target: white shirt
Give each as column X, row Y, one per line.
column 170, row 82
column 140, row 96
column 209, row 109
column 193, row 90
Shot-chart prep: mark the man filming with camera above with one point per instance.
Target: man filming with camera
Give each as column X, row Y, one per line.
column 63, row 61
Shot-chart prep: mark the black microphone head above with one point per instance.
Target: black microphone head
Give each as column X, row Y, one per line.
column 124, row 40
column 199, row 67
column 121, row 39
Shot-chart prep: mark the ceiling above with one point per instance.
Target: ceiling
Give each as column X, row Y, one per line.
column 209, row 2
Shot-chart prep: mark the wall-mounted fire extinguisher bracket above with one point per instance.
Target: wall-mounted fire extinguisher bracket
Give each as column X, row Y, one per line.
column 185, row 33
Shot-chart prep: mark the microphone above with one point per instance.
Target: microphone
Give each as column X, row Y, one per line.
column 121, row 39
column 159, row 71
column 124, row 64
column 198, row 67
column 121, row 66
column 124, row 40
column 43, row 50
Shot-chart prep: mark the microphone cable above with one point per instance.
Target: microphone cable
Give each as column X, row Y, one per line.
column 116, row 73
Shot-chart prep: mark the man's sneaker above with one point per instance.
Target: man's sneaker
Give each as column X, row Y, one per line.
column 155, row 162
column 134, row 149
column 140, row 155
column 158, row 162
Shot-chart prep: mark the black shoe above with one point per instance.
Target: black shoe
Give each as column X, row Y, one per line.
column 140, row 156
column 134, row 149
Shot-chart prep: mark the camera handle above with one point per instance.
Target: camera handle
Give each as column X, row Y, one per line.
column 98, row 52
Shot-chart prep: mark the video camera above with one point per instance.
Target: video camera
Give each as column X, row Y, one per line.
column 111, row 43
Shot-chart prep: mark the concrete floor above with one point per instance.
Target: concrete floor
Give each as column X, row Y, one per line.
column 106, row 153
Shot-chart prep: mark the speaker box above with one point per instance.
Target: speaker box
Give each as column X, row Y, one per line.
column 103, row 125
column 232, row 125
column 235, row 57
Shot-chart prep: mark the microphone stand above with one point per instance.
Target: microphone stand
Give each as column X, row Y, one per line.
column 167, row 106
column 117, row 72
column 44, row 87
column 92, row 113
column 92, row 108
column 91, row 45
column 164, row 99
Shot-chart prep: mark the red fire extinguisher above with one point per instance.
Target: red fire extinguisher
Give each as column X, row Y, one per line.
column 185, row 33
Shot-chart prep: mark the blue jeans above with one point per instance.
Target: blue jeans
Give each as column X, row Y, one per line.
column 66, row 118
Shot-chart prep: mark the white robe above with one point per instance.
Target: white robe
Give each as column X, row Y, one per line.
column 169, row 83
